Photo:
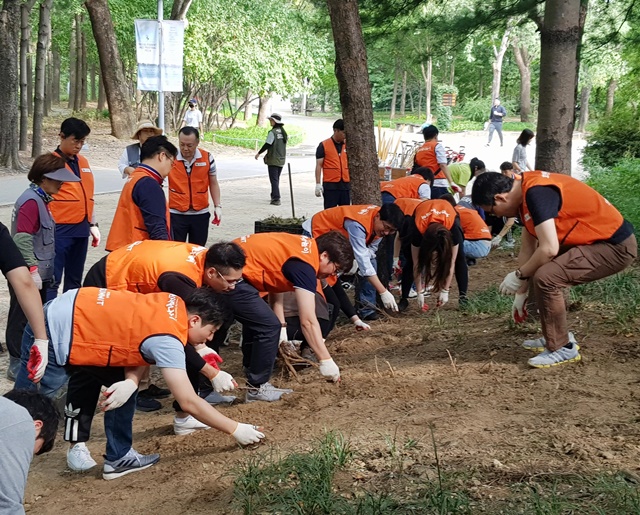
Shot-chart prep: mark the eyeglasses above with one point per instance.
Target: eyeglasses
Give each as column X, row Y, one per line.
column 227, row 281
column 170, row 158
column 336, row 269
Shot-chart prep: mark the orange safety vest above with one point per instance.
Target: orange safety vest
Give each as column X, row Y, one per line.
column 268, row 252
column 190, row 190
column 335, row 167
column 74, row 202
column 128, row 224
column 585, row 216
column 110, row 326
column 426, row 156
column 404, row 187
column 473, row 225
column 434, row 211
column 408, row 205
column 333, row 219
column 138, row 266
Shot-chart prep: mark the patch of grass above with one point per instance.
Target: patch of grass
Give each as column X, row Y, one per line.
column 251, row 136
column 465, row 125
column 518, row 126
column 488, row 301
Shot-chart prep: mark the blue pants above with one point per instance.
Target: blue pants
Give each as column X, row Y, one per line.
column 71, row 253
column 438, row 191
column 367, row 298
column 477, row 248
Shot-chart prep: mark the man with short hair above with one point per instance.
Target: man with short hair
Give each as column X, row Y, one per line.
column 573, row 235
column 193, row 116
column 433, row 155
column 73, row 210
column 130, row 158
column 332, row 169
column 496, row 117
column 142, row 212
column 191, row 181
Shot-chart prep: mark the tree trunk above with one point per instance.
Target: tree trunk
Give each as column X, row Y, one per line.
column 496, row 65
column 403, row 98
column 355, row 98
column 262, row 110
column 394, row 96
column 102, row 96
column 83, row 65
column 611, row 90
column 453, row 71
column 77, row 98
column 47, row 82
column 560, row 35
column 427, row 75
column 247, row 106
column 9, row 83
column 120, row 113
column 179, row 9
column 30, row 82
column 523, row 60
column 92, row 86
column 584, row 107
column 55, row 77
column 25, row 36
column 72, row 66
column 44, row 28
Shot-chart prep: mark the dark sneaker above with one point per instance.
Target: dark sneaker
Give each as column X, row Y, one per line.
column 370, row 317
column 275, row 202
column 154, row 392
column 147, row 404
column 133, row 461
column 403, row 304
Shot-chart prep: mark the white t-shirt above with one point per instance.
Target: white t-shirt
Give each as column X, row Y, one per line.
column 193, row 118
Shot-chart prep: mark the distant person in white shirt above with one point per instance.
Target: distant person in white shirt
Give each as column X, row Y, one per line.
column 193, row 116
column 130, row 158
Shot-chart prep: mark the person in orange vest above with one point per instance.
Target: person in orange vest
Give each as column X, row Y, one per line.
column 477, row 235
column 432, row 245
column 279, row 263
column 115, row 336
column 433, row 155
column 191, row 181
column 416, row 185
column 365, row 226
column 142, row 212
column 573, row 235
column 73, row 210
column 332, row 169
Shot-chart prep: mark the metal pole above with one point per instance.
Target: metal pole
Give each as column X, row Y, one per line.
column 293, row 207
column 160, row 92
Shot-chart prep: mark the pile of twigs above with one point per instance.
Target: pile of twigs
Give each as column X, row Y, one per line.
column 289, row 355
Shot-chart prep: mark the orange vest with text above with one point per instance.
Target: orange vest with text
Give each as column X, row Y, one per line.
column 434, row 211
column 473, row 225
column 335, row 168
column 585, row 216
column 110, row 326
column 74, row 202
column 268, row 252
column 128, row 224
column 138, row 266
column 408, row 205
column 190, row 190
column 333, row 219
column 404, row 187
column 426, row 156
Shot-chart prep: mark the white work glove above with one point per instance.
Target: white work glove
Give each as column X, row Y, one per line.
column 283, row 335
column 511, row 284
column 217, row 215
column 443, row 298
column 330, row 370
column 95, row 235
column 319, row 190
column 38, row 360
column 35, row 275
column 117, row 394
column 246, row 434
column 223, row 381
column 360, row 325
column 496, row 241
column 519, row 309
column 388, row 301
column 421, row 300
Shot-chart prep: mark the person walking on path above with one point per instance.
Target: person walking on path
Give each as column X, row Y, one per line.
column 193, row 116
column 519, row 159
column 572, row 236
column 130, row 158
column 496, row 117
column 332, row 169
column 276, row 148
column 192, row 180
column 73, row 210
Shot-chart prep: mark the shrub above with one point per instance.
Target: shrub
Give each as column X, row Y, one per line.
column 443, row 117
column 616, row 137
column 476, row 110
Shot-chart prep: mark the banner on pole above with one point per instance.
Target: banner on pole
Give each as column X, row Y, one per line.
column 152, row 76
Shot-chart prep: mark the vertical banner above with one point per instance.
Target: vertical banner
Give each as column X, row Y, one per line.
column 148, row 55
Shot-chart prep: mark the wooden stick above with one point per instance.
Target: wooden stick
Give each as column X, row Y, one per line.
column 453, row 363
column 377, row 369
column 393, row 374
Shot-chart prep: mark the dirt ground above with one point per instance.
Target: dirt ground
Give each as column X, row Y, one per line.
column 495, row 420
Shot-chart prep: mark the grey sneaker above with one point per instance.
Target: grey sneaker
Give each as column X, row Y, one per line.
column 508, row 244
column 267, row 392
column 133, row 461
column 563, row 355
column 215, row 399
column 539, row 344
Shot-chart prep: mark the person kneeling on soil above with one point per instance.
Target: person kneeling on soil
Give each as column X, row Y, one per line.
column 572, row 235
column 114, row 336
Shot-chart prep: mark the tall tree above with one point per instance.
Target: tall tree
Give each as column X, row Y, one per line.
column 496, row 65
column 9, row 83
column 25, row 98
column 44, row 28
column 355, row 98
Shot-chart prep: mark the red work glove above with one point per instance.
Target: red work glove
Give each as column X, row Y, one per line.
column 38, row 360
column 217, row 215
column 210, row 356
column 519, row 310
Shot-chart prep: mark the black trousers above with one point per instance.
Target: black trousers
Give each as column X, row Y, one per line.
column 191, row 228
column 274, row 178
column 333, row 198
column 17, row 320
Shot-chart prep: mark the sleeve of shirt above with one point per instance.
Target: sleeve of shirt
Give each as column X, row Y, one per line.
column 441, row 154
column 213, row 170
column 320, row 151
column 10, row 257
column 28, row 218
column 457, row 236
column 424, row 191
column 270, row 138
column 149, row 197
column 199, row 116
column 415, row 236
column 300, row 274
column 358, row 240
column 544, row 203
column 123, row 162
column 176, row 283
column 164, row 351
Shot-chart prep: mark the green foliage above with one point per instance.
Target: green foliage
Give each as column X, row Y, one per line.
column 615, row 138
column 476, row 110
column 443, row 117
column 518, row 126
column 465, row 125
column 250, row 136
column 488, row 301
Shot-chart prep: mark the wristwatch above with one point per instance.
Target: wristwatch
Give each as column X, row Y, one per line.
column 520, row 276
column 93, row 225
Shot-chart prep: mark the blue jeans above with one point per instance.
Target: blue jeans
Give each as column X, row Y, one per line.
column 477, row 248
column 71, row 253
column 367, row 298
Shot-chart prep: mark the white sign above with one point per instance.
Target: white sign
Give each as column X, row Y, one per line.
column 151, row 76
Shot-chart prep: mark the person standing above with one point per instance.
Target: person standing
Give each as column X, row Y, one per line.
column 276, row 148
column 332, row 169
column 193, row 116
column 192, row 180
column 433, row 155
column 496, row 118
column 73, row 210
column 519, row 159
column 130, row 158
column 142, row 212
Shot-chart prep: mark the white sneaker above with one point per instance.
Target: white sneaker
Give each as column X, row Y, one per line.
column 563, row 355
column 540, row 344
column 413, row 293
column 79, row 458
column 187, row 426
